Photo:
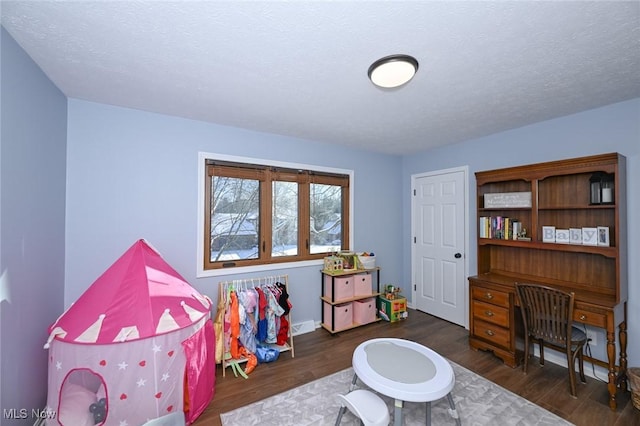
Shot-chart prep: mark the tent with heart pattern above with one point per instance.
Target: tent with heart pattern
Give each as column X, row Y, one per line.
column 137, row 345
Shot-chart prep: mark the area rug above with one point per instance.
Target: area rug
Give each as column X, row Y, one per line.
column 478, row 402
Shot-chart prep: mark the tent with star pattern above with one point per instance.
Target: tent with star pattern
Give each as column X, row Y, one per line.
column 137, row 345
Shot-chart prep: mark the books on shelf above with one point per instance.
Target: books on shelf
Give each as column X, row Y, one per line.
column 499, row 227
column 517, row 229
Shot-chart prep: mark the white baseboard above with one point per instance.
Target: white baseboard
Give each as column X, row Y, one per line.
column 303, row 327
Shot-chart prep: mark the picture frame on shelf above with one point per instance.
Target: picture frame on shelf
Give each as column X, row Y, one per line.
column 590, row 236
column 603, row 236
column 548, row 234
column 507, row 200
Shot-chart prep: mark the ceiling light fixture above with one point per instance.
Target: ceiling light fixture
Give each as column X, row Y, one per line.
column 393, row 71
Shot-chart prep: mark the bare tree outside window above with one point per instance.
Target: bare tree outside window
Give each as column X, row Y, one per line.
column 259, row 214
column 285, row 219
column 326, row 215
column 235, row 218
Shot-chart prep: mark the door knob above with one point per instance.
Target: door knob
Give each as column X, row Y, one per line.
column 458, row 255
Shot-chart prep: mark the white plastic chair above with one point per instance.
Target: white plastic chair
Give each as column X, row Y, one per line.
column 366, row 405
column 173, row 419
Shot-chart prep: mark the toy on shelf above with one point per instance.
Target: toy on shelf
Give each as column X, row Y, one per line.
column 333, row 263
column 344, row 261
column 349, row 260
column 392, row 292
column 367, row 260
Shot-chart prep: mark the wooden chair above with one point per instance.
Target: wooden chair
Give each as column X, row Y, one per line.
column 547, row 314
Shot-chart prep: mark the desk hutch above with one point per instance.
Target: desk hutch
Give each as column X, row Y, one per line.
column 560, row 197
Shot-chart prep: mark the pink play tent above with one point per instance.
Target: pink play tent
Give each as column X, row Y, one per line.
column 137, row 345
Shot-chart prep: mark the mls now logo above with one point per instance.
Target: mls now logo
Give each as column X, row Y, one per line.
column 23, row 413
column 15, row 413
column 43, row 414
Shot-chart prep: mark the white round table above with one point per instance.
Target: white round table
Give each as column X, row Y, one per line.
column 405, row 371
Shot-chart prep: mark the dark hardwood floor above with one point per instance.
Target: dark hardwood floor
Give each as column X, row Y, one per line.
column 319, row 353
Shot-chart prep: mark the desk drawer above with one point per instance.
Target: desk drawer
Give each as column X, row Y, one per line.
column 499, row 298
column 497, row 335
column 591, row 318
column 491, row 313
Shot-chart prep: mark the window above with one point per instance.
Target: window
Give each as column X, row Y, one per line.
column 263, row 214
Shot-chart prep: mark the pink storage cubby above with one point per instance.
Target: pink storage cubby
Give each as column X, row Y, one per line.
column 343, row 315
column 364, row 311
column 362, row 285
column 343, row 287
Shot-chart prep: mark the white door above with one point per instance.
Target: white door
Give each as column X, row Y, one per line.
column 439, row 218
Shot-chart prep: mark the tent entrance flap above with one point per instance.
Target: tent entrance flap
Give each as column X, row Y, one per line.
column 83, row 399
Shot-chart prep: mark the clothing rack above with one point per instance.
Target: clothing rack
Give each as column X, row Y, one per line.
column 224, row 289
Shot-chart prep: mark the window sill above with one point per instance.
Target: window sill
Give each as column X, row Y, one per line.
column 256, row 268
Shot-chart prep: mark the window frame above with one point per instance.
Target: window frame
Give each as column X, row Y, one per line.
column 278, row 263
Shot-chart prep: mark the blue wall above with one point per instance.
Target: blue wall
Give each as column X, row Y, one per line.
column 615, row 128
column 32, row 215
column 133, row 174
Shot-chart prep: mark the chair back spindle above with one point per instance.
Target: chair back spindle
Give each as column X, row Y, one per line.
column 547, row 315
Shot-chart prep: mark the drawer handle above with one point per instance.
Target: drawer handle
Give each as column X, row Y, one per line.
column 489, row 333
column 489, row 296
column 488, row 313
column 583, row 317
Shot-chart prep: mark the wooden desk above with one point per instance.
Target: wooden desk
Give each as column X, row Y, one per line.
column 544, row 198
column 495, row 324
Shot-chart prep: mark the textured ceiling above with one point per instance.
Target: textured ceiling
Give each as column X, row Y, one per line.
column 299, row 68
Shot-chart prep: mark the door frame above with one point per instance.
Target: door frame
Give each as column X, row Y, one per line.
column 414, row 177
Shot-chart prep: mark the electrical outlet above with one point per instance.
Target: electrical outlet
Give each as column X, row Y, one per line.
column 592, row 336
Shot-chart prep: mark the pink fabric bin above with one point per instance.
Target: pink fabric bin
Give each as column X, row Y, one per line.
column 362, row 285
column 343, row 287
column 364, row 311
column 343, row 315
